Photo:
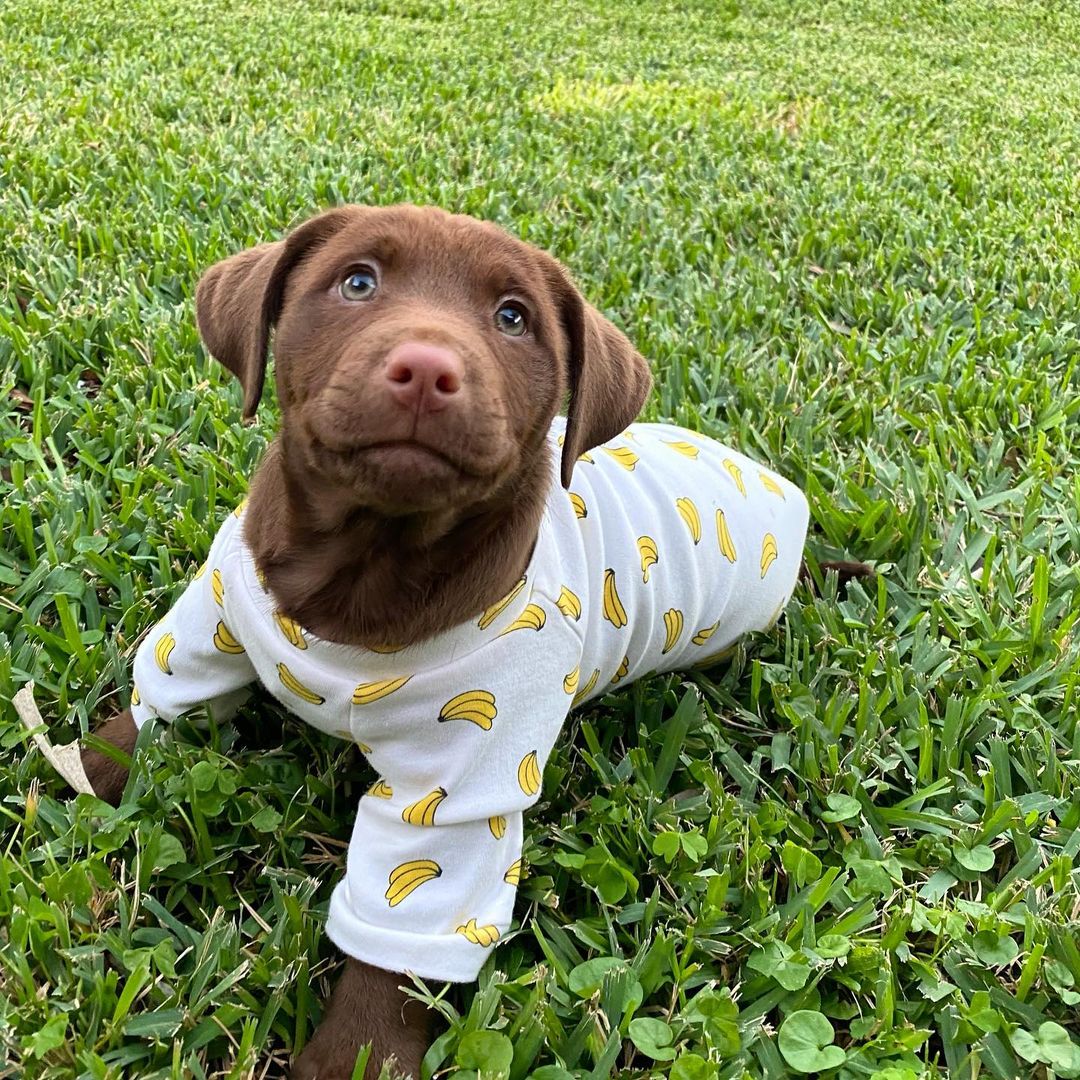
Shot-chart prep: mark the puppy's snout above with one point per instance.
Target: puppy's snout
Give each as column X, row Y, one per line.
column 423, row 376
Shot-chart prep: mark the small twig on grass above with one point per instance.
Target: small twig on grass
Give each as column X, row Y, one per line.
column 66, row 760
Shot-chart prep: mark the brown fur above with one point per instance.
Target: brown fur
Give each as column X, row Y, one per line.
column 845, row 570
column 108, row 775
column 377, row 525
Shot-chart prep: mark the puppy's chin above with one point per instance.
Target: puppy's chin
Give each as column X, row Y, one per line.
column 398, row 478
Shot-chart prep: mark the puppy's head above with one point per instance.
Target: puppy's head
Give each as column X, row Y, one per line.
column 419, row 356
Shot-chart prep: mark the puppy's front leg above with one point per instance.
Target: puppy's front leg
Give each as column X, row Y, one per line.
column 366, row 1006
column 108, row 777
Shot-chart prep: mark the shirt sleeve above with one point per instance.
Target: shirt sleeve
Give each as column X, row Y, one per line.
column 192, row 658
column 435, row 856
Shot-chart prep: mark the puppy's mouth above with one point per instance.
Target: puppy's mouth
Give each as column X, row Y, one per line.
column 401, row 460
column 403, row 454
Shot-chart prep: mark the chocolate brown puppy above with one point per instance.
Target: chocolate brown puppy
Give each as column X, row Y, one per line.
column 420, row 358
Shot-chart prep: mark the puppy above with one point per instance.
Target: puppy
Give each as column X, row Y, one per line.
column 434, row 565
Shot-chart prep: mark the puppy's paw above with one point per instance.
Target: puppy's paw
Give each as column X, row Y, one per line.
column 331, row 1054
column 107, row 776
column 323, row 1061
column 366, row 1007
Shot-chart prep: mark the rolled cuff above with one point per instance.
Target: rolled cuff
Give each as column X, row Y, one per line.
column 438, row 957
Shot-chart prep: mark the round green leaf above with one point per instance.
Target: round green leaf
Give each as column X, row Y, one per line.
column 551, row 1072
column 832, row 946
column 168, row 852
column 841, row 808
column 266, row 820
column 692, row 1067
column 666, row 845
column 994, row 949
column 779, row 961
column 486, row 1051
column 1058, row 975
column 979, row 858
column 652, row 1037
column 203, row 775
column 1026, row 1045
column 805, row 1040
column 1058, row 1049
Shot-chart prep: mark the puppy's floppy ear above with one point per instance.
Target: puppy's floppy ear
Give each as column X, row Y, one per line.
column 238, row 300
column 609, row 379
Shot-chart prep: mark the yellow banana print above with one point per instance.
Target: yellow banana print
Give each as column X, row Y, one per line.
column 293, row 631
column 240, row 509
column 408, row 877
column 364, row 748
column 689, row 513
column 614, row 611
column 422, row 812
column 579, row 506
column 623, row 455
column 587, row 689
column 368, row 692
column 479, row 935
column 260, row 577
column 295, row 686
column 224, row 640
column 673, row 624
column 381, row 790
column 513, row 875
column 723, row 537
column 476, row 706
column 532, row 618
column 650, row 556
column 569, row 684
column 705, row 633
column 768, row 552
column 500, row 606
column 217, row 587
column 528, row 774
column 385, row 650
column 769, row 484
column 135, row 699
column 569, row 604
column 686, row 449
column 587, row 458
column 162, row 651
column 199, row 573
column 561, row 439
column 623, row 668
column 497, row 826
column 736, row 475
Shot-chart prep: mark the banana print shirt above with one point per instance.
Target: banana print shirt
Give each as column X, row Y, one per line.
column 667, row 548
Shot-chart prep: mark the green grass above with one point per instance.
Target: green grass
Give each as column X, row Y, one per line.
column 846, row 235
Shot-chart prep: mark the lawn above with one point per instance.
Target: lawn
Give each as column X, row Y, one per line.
column 846, row 236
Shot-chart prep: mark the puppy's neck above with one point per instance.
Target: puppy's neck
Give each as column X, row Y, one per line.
column 361, row 578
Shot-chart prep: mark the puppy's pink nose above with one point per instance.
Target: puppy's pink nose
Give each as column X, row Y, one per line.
column 423, row 375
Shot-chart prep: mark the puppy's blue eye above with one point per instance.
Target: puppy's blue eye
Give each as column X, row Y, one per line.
column 360, row 284
column 510, row 319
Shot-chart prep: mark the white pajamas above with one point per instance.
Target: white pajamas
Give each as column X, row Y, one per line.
column 667, row 548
